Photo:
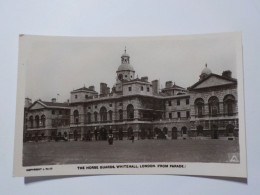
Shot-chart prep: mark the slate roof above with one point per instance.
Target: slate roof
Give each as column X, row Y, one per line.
column 84, row 89
column 174, row 86
column 55, row 104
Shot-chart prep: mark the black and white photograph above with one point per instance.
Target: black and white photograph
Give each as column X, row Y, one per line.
column 130, row 105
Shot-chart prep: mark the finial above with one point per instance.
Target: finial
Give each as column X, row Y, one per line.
column 125, row 49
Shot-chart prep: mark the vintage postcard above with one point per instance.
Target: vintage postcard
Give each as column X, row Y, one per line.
column 130, row 105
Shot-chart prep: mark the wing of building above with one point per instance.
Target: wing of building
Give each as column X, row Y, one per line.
column 137, row 107
column 46, row 120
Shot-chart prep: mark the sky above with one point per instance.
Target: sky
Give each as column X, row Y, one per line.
column 58, row 65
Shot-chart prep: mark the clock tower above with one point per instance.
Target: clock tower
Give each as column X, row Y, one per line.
column 125, row 71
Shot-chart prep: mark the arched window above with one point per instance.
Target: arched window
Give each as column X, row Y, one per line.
column 165, row 130
column 103, row 114
column 199, row 130
column 89, row 117
column 110, row 113
column 76, row 116
column 184, row 130
column 130, row 111
column 174, row 129
column 31, row 121
column 37, row 120
column 95, row 116
column 43, row 119
column 199, row 107
column 120, row 114
column 213, row 106
column 229, row 104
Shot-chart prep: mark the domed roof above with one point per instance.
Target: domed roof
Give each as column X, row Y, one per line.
column 125, row 55
column 123, row 67
column 206, row 70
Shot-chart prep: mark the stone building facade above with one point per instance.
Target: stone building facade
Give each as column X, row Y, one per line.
column 214, row 110
column 136, row 107
column 46, row 120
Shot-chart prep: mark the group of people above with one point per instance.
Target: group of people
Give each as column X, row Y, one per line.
column 111, row 139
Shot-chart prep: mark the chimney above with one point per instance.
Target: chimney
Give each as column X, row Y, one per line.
column 53, row 100
column 28, row 102
column 227, row 73
column 155, row 85
column 145, row 79
column 103, row 88
column 92, row 87
column 168, row 84
column 107, row 90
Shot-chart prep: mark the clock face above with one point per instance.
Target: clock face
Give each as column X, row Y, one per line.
column 120, row 77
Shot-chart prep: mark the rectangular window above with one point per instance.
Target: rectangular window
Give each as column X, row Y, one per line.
column 178, row 102
column 187, row 101
column 60, row 112
column 110, row 105
column 54, row 123
column 86, row 96
column 148, row 89
column 53, row 112
column 179, row 115
column 76, row 96
column 142, row 88
column 170, row 115
column 120, row 104
column 89, row 107
column 187, row 114
column 95, row 106
column 129, row 88
column 170, row 103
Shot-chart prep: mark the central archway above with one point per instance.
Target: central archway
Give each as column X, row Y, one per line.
column 130, row 132
column 214, row 134
column 199, row 130
column 174, row 133
column 103, row 134
column 120, row 134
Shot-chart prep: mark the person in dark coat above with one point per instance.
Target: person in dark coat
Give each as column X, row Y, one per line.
column 132, row 138
column 110, row 139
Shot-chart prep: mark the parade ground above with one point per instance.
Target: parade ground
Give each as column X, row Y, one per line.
column 124, row 151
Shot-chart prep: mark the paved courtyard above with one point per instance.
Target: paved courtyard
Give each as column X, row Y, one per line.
column 79, row 152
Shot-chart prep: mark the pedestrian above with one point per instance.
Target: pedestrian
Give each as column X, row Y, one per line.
column 110, row 139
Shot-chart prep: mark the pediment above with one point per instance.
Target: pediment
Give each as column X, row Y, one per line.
column 37, row 106
column 213, row 81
